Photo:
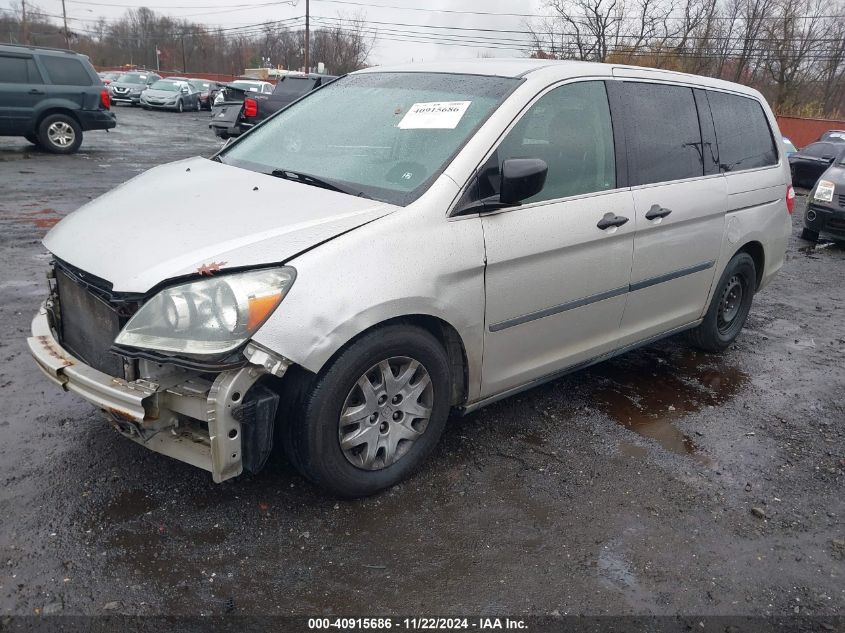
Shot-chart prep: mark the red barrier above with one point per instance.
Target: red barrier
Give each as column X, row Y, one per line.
column 221, row 77
column 802, row 131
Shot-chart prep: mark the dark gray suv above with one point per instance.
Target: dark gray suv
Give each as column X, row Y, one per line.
column 50, row 96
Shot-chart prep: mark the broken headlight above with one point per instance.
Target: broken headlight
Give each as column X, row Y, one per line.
column 210, row 316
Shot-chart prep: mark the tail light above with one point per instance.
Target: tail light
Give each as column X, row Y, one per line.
column 105, row 100
column 250, row 108
column 790, row 199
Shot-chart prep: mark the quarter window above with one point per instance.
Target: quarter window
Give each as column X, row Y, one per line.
column 13, row 70
column 662, row 132
column 742, row 132
column 569, row 128
column 66, row 72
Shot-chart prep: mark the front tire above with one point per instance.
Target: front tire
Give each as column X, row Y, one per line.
column 180, row 106
column 374, row 414
column 808, row 235
column 729, row 306
column 60, row 134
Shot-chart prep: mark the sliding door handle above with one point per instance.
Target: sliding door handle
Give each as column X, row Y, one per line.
column 611, row 219
column 657, row 211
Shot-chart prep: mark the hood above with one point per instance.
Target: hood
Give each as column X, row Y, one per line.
column 835, row 174
column 117, row 84
column 187, row 216
column 162, row 94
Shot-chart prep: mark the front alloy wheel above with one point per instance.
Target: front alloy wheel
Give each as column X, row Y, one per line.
column 373, row 413
column 385, row 413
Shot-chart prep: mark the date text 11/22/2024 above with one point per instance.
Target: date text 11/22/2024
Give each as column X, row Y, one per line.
column 418, row 624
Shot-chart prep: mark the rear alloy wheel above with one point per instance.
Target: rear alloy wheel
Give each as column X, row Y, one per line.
column 729, row 306
column 373, row 415
column 60, row 134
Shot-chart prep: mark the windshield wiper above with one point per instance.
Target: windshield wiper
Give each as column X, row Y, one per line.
column 308, row 179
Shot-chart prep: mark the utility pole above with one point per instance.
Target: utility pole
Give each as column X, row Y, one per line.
column 67, row 34
column 24, row 35
column 184, row 63
column 307, row 33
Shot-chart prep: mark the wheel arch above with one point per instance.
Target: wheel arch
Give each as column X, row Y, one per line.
column 55, row 110
column 758, row 253
column 444, row 332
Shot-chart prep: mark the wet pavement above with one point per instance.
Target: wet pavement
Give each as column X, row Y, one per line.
column 664, row 481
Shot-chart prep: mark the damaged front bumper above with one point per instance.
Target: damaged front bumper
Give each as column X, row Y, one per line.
column 220, row 422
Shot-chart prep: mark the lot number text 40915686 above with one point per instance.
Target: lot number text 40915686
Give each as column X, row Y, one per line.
column 418, row 624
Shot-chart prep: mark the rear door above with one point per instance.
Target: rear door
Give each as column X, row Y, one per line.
column 21, row 88
column 680, row 199
column 69, row 79
column 557, row 276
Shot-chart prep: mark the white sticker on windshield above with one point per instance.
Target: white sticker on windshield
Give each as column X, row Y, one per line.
column 437, row 115
column 824, row 191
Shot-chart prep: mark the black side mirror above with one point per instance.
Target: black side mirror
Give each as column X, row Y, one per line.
column 521, row 179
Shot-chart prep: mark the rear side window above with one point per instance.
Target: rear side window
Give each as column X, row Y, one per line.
column 662, row 133
column 66, row 71
column 18, row 70
column 743, row 135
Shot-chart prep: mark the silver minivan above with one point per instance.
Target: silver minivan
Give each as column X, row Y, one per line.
column 407, row 242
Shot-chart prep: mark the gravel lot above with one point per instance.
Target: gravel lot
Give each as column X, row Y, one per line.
column 666, row 481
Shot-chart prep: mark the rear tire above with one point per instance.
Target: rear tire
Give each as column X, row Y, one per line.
column 810, row 236
column 60, row 134
column 390, row 439
column 729, row 306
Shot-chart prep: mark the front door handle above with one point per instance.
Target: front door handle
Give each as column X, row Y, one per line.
column 657, row 211
column 611, row 219
column 36, row 91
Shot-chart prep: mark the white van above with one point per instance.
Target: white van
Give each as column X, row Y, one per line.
column 410, row 241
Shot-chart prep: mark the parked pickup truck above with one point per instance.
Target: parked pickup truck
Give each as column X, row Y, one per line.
column 242, row 106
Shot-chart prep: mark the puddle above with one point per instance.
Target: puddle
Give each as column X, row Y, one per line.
column 812, row 247
column 617, row 574
column 628, row 449
column 649, row 390
column 128, row 505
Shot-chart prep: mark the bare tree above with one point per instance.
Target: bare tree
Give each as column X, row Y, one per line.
column 345, row 46
column 789, row 44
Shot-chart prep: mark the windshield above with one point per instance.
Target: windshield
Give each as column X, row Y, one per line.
column 130, row 78
column 167, row 86
column 386, row 136
column 293, row 85
column 246, row 85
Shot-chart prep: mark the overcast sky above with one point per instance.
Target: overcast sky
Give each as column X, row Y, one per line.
column 404, row 21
